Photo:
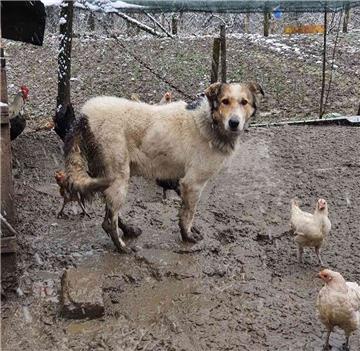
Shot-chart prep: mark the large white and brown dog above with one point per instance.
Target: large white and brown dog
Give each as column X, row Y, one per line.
column 116, row 138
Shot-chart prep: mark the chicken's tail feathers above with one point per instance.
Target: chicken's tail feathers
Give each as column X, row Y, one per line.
column 77, row 164
column 356, row 290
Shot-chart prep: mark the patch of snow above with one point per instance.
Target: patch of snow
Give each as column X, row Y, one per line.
column 79, row 5
column 51, row 2
column 62, row 20
column 122, row 4
column 92, row 7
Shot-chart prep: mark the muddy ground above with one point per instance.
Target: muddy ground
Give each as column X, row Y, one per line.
column 241, row 288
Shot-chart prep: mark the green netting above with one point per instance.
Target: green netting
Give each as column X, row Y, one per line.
column 237, row 6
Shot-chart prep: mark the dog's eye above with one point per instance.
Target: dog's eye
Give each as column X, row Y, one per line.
column 243, row 102
column 225, row 102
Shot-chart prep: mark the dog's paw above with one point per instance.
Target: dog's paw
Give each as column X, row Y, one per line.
column 125, row 250
column 194, row 238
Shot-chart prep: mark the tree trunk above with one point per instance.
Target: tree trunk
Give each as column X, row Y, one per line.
column 64, row 116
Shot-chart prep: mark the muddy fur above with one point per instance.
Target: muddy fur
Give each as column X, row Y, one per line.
column 84, row 165
column 117, row 138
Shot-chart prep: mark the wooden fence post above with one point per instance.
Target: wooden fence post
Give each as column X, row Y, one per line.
column 91, row 21
column 266, row 22
column 247, row 23
column 346, row 18
column 64, row 116
column 215, row 61
column 321, row 112
column 223, row 52
column 174, row 25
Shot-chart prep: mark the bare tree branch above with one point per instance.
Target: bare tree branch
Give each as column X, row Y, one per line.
column 142, row 26
column 159, row 25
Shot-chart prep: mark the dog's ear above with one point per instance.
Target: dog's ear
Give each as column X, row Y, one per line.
column 256, row 90
column 213, row 90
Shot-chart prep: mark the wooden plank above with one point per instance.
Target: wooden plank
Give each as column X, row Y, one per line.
column 8, row 244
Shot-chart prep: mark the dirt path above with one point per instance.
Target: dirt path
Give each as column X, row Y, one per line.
column 241, row 288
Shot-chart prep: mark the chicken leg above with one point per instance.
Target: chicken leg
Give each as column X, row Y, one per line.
column 317, row 251
column 346, row 345
column 327, row 346
column 300, row 254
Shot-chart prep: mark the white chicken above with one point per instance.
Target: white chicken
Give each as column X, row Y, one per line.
column 166, row 99
column 338, row 304
column 310, row 229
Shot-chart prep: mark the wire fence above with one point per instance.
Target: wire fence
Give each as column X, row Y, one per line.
column 196, row 24
column 289, row 66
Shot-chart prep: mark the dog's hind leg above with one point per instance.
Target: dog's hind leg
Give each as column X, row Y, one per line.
column 190, row 194
column 115, row 197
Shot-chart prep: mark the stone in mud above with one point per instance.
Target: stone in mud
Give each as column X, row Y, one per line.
column 81, row 294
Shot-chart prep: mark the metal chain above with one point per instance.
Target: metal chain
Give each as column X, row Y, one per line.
column 146, row 65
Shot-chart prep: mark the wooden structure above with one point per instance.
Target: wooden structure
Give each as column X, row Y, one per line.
column 8, row 238
column 22, row 21
column 304, row 29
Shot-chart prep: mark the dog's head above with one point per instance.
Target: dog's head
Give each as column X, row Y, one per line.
column 232, row 105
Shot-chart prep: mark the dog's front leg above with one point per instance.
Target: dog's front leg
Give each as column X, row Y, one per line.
column 190, row 194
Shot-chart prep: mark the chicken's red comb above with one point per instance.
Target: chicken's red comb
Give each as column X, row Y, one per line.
column 25, row 90
column 59, row 175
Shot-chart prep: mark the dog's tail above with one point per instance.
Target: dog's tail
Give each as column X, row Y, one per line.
column 81, row 154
